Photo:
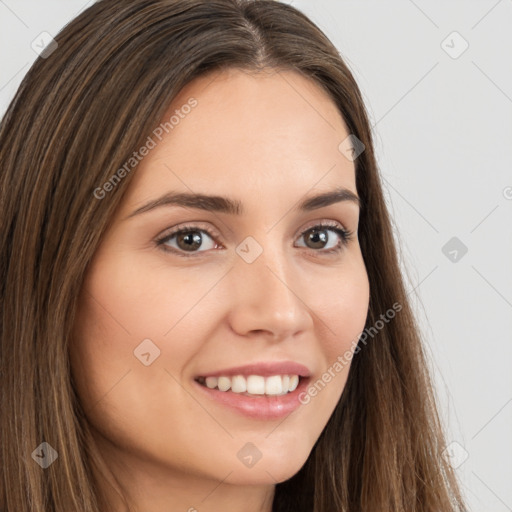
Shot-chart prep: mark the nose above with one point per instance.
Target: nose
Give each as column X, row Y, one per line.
column 268, row 296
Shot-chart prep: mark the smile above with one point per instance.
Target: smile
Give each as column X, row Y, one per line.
column 258, row 404
column 274, row 385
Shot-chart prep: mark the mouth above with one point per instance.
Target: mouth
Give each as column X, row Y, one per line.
column 253, row 385
column 257, row 397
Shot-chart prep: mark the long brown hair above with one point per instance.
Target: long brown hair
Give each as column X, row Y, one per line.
column 78, row 115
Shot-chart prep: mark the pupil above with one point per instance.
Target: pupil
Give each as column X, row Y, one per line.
column 191, row 241
column 318, row 235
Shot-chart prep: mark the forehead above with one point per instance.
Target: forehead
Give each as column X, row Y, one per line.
column 249, row 133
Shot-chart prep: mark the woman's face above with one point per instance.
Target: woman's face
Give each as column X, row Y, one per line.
column 244, row 298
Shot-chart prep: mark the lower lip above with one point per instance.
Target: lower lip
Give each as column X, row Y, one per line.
column 262, row 407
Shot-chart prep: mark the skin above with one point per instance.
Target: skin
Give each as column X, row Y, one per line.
column 269, row 140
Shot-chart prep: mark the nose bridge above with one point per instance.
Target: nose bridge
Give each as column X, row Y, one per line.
column 266, row 286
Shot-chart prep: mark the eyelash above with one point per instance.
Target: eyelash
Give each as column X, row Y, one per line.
column 345, row 235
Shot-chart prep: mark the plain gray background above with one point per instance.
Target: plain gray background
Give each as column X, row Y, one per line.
column 442, row 121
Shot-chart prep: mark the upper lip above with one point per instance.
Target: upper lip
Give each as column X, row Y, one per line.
column 265, row 369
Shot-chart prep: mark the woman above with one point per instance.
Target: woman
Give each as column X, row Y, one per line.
column 202, row 307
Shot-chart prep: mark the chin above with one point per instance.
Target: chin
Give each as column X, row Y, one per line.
column 274, row 468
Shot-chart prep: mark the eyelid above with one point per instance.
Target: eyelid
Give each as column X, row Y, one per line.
column 314, row 223
column 191, row 226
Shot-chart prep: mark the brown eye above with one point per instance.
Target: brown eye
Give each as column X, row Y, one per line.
column 317, row 238
column 187, row 239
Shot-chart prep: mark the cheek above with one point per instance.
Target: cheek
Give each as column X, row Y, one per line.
column 342, row 308
column 341, row 312
column 135, row 320
column 145, row 297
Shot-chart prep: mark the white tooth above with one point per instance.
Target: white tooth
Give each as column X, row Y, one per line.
column 294, row 382
column 256, row 385
column 273, row 385
column 238, row 384
column 211, row 382
column 276, row 385
column 224, row 383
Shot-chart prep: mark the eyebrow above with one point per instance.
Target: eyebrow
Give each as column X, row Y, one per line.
column 234, row 207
